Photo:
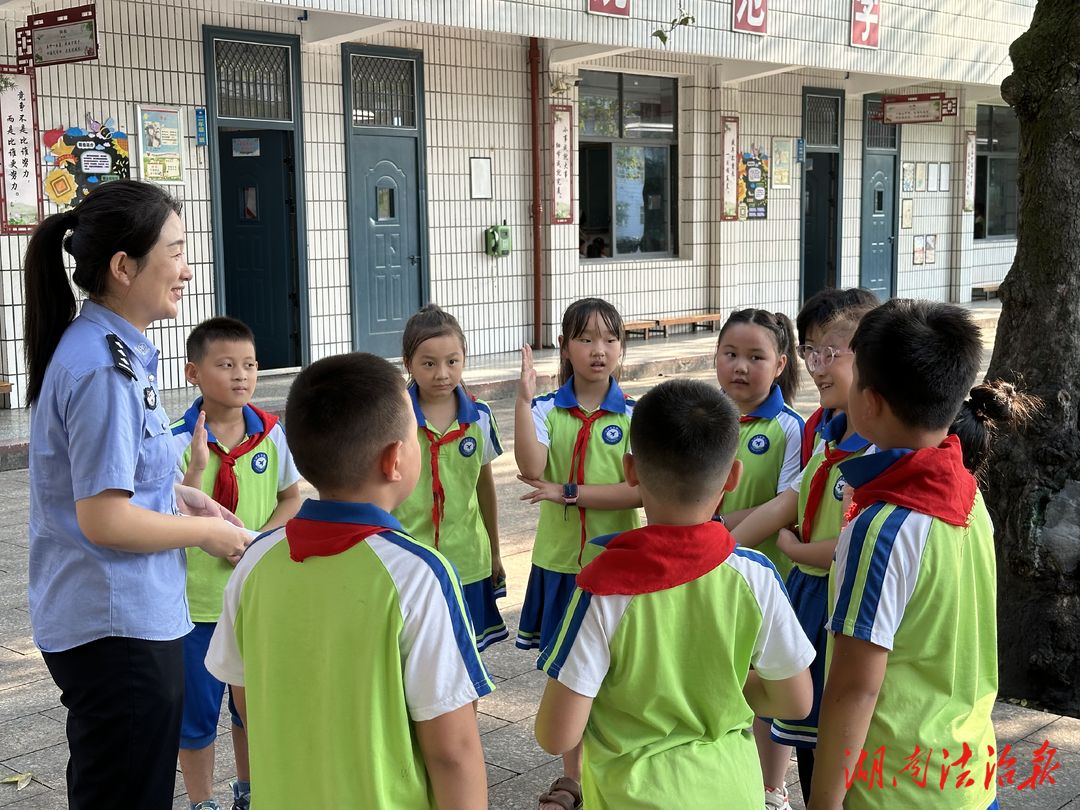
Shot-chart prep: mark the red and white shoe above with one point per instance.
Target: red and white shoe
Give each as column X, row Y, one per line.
column 777, row 798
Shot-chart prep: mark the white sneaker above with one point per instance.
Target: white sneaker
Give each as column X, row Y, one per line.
column 777, row 798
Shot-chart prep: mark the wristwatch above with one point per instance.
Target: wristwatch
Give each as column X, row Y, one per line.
column 569, row 494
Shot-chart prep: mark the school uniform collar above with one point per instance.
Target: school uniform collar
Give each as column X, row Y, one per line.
column 361, row 514
column 614, row 402
column 141, row 346
column 253, row 423
column 932, row 481
column 834, row 430
column 467, row 412
column 771, row 407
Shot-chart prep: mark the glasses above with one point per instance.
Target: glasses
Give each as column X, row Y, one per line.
column 826, row 356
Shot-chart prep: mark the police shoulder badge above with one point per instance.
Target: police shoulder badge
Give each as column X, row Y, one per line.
column 121, row 361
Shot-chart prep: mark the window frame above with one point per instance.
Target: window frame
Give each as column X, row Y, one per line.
column 670, row 182
column 988, row 153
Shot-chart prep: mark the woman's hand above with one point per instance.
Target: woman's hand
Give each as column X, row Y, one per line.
column 542, row 490
column 527, row 385
column 226, row 540
column 194, row 502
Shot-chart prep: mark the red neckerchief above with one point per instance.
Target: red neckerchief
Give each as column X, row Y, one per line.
column 933, row 481
column 226, row 491
column 577, row 460
column 317, row 538
column 438, row 494
column 817, row 487
column 809, row 437
column 655, row 558
column 748, row 419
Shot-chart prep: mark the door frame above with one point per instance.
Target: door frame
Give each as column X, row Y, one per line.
column 839, row 150
column 348, row 49
column 897, row 181
column 296, row 127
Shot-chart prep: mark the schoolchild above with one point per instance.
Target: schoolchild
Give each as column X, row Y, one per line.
column 815, row 312
column 652, row 662
column 815, row 504
column 569, row 446
column 914, row 656
column 237, row 454
column 453, row 507
column 347, row 642
column 756, row 367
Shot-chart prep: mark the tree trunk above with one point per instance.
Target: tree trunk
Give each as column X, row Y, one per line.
column 1033, row 484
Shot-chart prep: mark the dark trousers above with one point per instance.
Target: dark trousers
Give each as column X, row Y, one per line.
column 125, row 699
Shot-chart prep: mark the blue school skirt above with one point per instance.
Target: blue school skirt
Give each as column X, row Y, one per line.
column 487, row 622
column 810, row 599
column 546, row 597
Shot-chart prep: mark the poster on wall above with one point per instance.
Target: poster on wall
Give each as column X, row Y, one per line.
column 907, row 174
column 562, row 164
column 931, row 248
column 969, row 170
column 729, row 195
column 943, row 177
column 920, row 248
column 907, row 212
column 932, row 176
column 921, row 108
column 58, row 37
column 753, row 184
column 81, row 158
column 781, row 169
column 920, row 177
column 21, row 206
column 161, row 145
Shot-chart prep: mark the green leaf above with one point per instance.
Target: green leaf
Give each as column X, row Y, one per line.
column 660, row 35
column 20, row 780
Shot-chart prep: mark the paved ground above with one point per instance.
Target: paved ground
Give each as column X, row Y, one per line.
column 32, row 719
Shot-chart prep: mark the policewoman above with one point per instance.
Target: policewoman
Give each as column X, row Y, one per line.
column 107, row 528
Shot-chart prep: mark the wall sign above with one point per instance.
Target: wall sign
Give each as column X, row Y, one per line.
column 932, row 170
column 729, row 190
column 921, row 108
column 245, row 147
column 907, row 177
column 615, row 8
column 918, row 250
column 943, row 177
column 781, row 174
column 161, row 145
column 907, row 212
column 58, row 37
column 866, row 23
column 920, row 177
column 562, row 164
column 931, row 248
column 480, row 178
column 969, row 170
column 21, row 206
column 200, row 126
column 750, row 16
column 800, row 147
column 83, row 158
column 753, row 184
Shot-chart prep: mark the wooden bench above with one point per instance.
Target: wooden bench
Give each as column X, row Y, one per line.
column 643, row 326
column 693, row 320
column 984, row 292
column 5, row 387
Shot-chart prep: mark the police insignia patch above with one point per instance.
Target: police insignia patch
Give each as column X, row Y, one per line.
column 121, row 361
column 150, row 397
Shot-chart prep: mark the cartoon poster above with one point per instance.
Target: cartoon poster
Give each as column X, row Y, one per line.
column 919, row 252
column 161, row 145
column 20, row 192
column 81, row 158
column 753, row 184
column 782, row 149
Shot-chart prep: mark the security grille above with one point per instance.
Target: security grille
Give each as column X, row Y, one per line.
column 253, row 80
column 878, row 134
column 383, row 92
column 822, row 121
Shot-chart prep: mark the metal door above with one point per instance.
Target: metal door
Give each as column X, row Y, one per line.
column 821, row 209
column 878, row 223
column 258, row 240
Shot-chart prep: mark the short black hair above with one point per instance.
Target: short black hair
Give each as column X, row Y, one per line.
column 824, row 304
column 213, row 330
column 921, row 357
column 341, row 413
column 684, row 434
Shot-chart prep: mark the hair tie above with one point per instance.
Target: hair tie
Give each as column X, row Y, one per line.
column 979, row 414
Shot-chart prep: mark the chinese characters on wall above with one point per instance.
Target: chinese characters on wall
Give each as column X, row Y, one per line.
column 20, row 195
column 562, row 164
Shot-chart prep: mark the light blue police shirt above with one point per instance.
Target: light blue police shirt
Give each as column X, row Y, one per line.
column 95, row 428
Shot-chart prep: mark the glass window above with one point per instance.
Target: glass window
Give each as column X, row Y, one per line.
column 997, row 139
column 628, row 192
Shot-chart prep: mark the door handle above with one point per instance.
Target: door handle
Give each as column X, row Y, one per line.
column 414, row 259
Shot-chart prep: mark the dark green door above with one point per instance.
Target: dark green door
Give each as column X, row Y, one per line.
column 878, row 223
column 386, row 259
column 258, row 240
column 821, row 208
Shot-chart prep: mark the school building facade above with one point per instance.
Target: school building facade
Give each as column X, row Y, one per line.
column 357, row 150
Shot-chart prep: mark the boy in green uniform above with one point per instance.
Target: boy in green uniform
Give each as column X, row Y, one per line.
column 652, row 660
column 258, row 481
column 347, row 642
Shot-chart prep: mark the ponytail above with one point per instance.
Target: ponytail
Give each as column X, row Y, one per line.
column 987, row 407
column 782, row 330
column 123, row 216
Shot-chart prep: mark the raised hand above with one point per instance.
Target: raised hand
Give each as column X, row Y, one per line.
column 527, row 386
column 200, row 453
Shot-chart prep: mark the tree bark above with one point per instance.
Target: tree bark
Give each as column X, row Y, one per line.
column 1033, row 482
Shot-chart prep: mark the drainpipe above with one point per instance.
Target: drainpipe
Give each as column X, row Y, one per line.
column 537, row 204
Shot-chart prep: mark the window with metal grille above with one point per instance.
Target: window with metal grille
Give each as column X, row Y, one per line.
column 383, row 92
column 254, row 80
column 822, row 120
column 878, row 134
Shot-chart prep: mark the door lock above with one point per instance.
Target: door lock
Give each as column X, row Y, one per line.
column 414, row 259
